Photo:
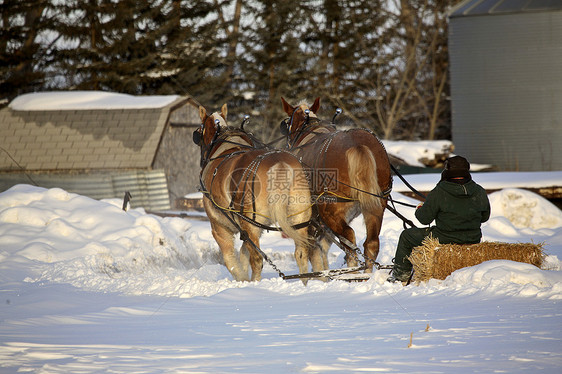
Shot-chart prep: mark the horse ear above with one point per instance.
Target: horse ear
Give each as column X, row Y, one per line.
column 286, row 107
column 224, row 111
column 316, row 106
column 202, row 113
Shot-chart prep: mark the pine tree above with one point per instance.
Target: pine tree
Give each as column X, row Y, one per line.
column 347, row 47
column 21, row 50
column 272, row 60
column 132, row 47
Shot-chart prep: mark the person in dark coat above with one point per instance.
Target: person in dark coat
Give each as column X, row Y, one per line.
column 457, row 204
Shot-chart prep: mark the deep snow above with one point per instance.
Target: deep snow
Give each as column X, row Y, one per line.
column 86, row 287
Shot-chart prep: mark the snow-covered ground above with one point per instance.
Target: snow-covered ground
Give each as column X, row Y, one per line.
column 88, row 288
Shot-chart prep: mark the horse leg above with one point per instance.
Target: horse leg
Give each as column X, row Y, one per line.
column 335, row 220
column 373, row 223
column 318, row 250
column 255, row 257
column 225, row 240
column 244, row 258
column 319, row 253
column 305, row 252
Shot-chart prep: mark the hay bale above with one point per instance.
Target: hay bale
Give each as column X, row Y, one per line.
column 435, row 260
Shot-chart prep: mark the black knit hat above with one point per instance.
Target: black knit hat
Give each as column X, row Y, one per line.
column 456, row 167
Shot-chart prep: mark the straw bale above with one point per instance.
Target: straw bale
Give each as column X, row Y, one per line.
column 435, row 260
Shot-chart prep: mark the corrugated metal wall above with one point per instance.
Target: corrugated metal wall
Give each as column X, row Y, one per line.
column 506, row 88
column 149, row 189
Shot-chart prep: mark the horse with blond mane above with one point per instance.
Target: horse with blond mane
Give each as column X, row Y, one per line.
column 247, row 188
column 349, row 175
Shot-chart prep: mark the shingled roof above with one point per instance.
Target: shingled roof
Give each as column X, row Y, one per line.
column 83, row 130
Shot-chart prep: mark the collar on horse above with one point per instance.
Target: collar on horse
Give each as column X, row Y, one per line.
column 311, row 127
column 222, row 137
column 308, row 127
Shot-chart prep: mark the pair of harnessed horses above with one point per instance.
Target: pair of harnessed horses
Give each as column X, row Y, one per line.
column 311, row 191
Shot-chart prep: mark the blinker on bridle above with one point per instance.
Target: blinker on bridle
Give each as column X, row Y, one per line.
column 287, row 123
column 198, row 134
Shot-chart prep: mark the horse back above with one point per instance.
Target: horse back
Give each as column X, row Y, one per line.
column 341, row 155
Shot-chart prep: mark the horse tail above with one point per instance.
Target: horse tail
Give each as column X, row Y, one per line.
column 362, row 169
column 289, row 200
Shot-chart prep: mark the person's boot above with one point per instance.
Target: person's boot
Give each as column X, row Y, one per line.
column 399, row 275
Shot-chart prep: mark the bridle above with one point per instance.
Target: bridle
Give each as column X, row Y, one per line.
column 293, row 136
column 206, row 150
column 220, row 137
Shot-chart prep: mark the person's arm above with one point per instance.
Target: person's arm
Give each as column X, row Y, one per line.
column 487, row 210
column 427, row 212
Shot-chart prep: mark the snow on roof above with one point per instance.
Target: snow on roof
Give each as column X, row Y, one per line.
column 88, row 100
column 491, row 7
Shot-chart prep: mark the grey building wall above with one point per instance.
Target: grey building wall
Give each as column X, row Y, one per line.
column 179, row 157
column 506, row 88
column 81, row 139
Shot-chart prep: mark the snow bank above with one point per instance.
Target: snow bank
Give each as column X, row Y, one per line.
column 509, row 278
column 412, row 152
column 89, row 243
column 525, row 209
column 50, row 235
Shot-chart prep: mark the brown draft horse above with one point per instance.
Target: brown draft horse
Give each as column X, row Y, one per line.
column 349, row 172
column 247, row 188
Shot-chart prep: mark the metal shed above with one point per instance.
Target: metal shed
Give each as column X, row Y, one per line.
column 101, row 144
column 506, row 83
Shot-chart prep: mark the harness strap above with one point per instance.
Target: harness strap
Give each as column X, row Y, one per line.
column 385, row 194
column 233, row 212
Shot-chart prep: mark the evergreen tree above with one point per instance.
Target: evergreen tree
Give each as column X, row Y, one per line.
column 147, row 47
column 21, row 49
column 383, row 61
column 273, row 62
column 348, row 45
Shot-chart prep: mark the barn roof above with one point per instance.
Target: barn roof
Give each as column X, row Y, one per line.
column 84, row 100
column 496, row 7
column 83, row 130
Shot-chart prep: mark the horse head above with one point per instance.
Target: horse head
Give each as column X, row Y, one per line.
column 208, row 132
column 299, row 117
column 210, row 127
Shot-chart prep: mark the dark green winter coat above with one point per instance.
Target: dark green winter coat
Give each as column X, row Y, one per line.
column 458, row 211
